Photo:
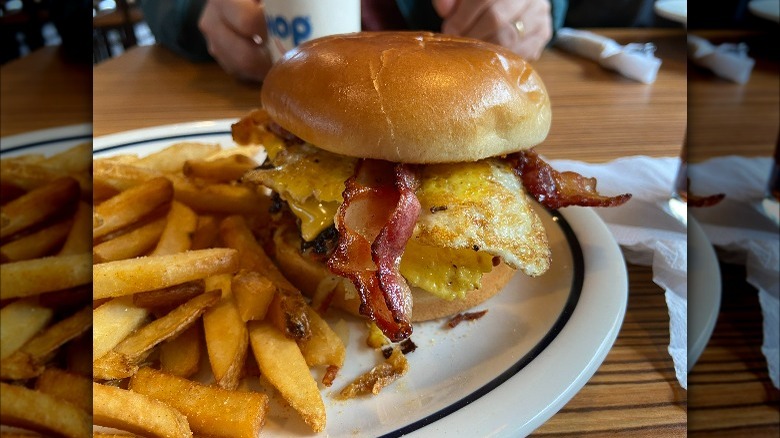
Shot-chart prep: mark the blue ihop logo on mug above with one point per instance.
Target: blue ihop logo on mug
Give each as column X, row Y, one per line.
column 299, row 28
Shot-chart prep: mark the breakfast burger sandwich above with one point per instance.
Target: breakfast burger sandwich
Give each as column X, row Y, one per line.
column 405, row 161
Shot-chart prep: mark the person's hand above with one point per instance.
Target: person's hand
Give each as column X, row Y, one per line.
column 234, row 31
column 523, row 26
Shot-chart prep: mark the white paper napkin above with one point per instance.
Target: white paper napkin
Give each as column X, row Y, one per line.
column 648, row 234
column 635, row 60
column 729, row 61
column 744, row 235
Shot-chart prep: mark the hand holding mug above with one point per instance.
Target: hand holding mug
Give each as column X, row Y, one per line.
column 235, row 31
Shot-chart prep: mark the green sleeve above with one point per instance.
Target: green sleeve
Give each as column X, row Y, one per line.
column 420, row 15
column 174, row 24
column 558, row 10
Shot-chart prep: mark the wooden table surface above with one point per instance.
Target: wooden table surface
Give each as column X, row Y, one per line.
column 725, row 118
column 43, row 90
column 597, row 116
column 730, row 393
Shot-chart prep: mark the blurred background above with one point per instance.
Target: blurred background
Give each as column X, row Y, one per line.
column 116, row 25
column 733, row 129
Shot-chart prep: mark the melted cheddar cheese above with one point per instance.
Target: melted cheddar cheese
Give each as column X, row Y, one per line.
column 310, row 180
column 481, row 206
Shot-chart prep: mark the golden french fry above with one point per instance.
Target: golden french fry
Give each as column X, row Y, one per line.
column 170, row 297
column 67, row 299
column 101, row 191
column 281, row 362
column 114, row 321
column 27, row 158
column 34, row 410
column 30, row 176
column 108, row 435
column 28, row 360
column 22, row 434
column 78, row 354
column 380, row 376
column 227, row 338
column 36, row 276
column 120, row 176
column 172, row 158
column 255, row 152
column 180, row 356
column 325, row 346
column 73, row 160
column 287, row 310
column 180, row 225
column 210, row 411
column 123, row 360
column 236, row 234
column 66, row 386
column 125, row 277
column 19, row 322
column 37, row 244
column 219, row 198
column 225, row 169
column 9, row 192
column 206, row 233
column 131, row 244
column 79, row 240
column 253, row 293
column 113, row 366
column 136, row 413
column 130, row 206
column 37, row 205
column 119, row 158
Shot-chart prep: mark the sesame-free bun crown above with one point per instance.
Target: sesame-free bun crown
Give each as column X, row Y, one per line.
column 412, row 97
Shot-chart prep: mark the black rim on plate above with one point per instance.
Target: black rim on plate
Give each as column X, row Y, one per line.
column 42, row 143
column 578, row 277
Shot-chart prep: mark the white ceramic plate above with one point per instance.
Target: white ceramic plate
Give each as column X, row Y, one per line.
column 46, row 141
column 502, row 375
column 766, row 9
column 704, row 293
column 675, row 10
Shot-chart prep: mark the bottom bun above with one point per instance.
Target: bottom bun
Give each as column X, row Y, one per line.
column 309, row 275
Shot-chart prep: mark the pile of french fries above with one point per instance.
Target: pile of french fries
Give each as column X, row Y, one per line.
column 187, row 307
column 45, row 289
column 179, row 270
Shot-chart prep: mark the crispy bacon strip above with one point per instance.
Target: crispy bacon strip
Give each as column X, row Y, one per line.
column 374, row 223
column 468, row 316
column 694, row 200
column 555, row 189
column 702, row 201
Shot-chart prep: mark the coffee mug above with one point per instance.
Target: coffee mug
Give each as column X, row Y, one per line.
column 292, row 22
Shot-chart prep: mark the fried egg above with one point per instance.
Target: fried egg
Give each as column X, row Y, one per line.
column 481, row 206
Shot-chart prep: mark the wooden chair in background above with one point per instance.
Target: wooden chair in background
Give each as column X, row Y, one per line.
column 122, row 20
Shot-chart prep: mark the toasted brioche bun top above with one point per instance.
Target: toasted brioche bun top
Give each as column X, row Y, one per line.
column 412, row 97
